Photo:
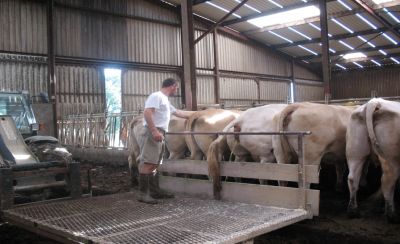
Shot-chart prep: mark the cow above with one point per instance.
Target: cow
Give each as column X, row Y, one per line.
column 374, row 129
column 327, row 123
column 209, row 120
column 258, row 147
column 175, row 144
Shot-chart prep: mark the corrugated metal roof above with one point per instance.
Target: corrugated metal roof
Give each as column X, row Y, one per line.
column 339, row 9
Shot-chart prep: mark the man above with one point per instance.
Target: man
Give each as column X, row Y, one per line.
column 157, row 114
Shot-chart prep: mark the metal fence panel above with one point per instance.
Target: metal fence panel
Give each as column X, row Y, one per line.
column 20, row 72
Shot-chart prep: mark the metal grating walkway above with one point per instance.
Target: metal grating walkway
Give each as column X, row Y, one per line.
column 119, row 218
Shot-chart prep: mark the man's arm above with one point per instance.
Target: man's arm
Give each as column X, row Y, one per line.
column 148, row 116
column 181, row 114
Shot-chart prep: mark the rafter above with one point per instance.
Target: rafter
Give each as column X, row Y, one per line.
column 215, row 25
column 377, row 17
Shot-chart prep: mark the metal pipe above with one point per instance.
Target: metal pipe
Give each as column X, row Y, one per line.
column 241, row 133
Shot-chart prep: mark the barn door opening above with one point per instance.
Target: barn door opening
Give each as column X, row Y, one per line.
column 113, row 105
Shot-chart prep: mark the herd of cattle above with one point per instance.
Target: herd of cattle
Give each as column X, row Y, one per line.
column 340, row 134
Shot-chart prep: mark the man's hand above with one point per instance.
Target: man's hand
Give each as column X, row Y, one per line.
column 157, row 136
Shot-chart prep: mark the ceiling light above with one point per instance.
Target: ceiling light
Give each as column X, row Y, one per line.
column 389, row 38
column 354, row 55
column 359, row 65
column 223, row 9
column 383, row 52
column 367, row 21
column 341, row 66
column 365, row 40
column 309, row 50
column 345, row 5
column 285, row 17
column 346, row 45
column 391, row 15
column 373, row 61
column 249, row 7
column 276, row 4
column 395, row 60
column 298, row 32
column 282, row 37
column 343, row 26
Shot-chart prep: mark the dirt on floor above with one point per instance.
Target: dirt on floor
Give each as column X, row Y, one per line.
column 332, row 226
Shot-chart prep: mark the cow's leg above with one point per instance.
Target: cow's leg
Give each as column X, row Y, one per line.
column 353, row 180
column 340, row 167
column 390, row 174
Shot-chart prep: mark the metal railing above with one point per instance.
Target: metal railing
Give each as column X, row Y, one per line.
column 108, row 130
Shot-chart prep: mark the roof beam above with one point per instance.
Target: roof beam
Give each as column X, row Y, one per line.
column 216, row 24
column 316, row 19
column 376, row 16
column 335, row 37
column 313, row 58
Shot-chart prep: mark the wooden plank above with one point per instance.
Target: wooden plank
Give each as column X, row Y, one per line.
column 285, row 197
column 267, row 171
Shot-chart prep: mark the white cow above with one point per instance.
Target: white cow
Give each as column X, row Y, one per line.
column 259, row 147
column 375, row 127
column 210, row 120
column 327, row 124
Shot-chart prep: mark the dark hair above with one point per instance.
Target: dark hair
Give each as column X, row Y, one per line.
column 168, row 82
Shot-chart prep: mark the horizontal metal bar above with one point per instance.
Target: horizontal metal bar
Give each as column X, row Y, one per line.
column 40, row 186
column 241, row 133
column 25, row 167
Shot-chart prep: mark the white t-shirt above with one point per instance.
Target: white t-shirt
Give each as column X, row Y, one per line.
column 163, row 109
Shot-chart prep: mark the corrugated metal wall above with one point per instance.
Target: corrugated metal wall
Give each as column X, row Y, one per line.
column 304, row 73
column 309, row 91
column 18, row 72
column 137, row 85
column 23, row 26
column 205, row 87
column 238, row 91
column 142, row 32
column 204, row 51
column 361, row 84
column 81, row 90
column 274, row 91
column 240, row 56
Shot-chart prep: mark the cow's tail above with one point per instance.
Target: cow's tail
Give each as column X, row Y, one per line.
column 373, row 106
column 214, row 156
column 134, row 151
column 284, row 152
column 190, row 141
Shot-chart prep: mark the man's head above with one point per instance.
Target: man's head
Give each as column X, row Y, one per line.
column 169, row 86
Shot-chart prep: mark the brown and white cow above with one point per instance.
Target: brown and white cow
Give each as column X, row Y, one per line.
column 210, row 120
column 327, row 124
column 375, row 128
column 258, row 147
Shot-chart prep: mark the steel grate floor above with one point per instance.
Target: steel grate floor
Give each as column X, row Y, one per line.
column 119, row 218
